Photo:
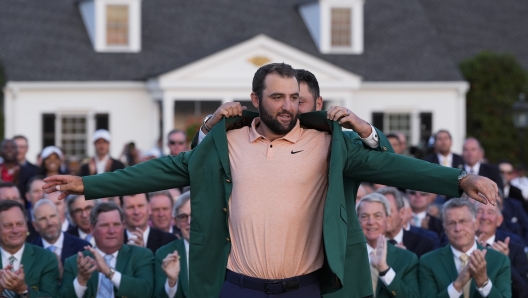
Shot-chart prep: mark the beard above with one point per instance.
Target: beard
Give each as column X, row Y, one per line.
column 273, row 124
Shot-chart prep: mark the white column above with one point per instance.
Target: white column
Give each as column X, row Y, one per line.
column 168, row 119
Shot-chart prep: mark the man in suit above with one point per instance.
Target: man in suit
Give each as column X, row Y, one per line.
column 10, row 170
column 46, row 221
column 161, row 207
column 172, row 260
column 463, row 267
column 177, row 142
column 510, row 191
column 111, row 269
column 79, row 210
column 34, row 192
column 515, row 218
column 443, row 155
column 411, row 241
column 217, row 171
column 394, row 271
column 489, row 218
column 27, row 270
column 138, row 232
column 8, row 191
column 61, row 206
column 101, row 162
column 29, row 170
column 472, row 155
column 419, row 202
column 406, row 224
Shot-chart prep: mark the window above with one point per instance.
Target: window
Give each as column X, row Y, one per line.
column 101, row 121
column 398, row 123
column 73, row 135
column 117, row 25
column 341, row 27
column 426, row 127
column 48, row 130
column 191, row 113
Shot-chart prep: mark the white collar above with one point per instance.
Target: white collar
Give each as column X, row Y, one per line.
column 399, row 237
column 407, row 227
column 457, row 253
column 97, row 160
column 490, row 240
column 475, row 168
column 420, row 215
column 58, row 244
column 186, row 245
column 17, row 255
column 65, row 225
column 104, row 254
column 370, row 249
column 82, row 234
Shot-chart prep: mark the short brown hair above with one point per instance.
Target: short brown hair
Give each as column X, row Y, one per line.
column 104, row 207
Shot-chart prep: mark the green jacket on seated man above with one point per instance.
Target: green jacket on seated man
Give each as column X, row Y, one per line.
column 207, row 170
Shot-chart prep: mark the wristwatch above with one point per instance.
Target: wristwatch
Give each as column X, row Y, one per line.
column 110, row 273
column 382, row 273
column 205, row 121
column 461, row 176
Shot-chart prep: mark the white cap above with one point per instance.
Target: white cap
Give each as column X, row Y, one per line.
column 101, row 134
column 154, row 152
column 46, row 152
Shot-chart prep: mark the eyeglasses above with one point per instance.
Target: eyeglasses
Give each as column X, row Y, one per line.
column 172, row 143
column 79, row 211
column 463, row 222
column 413, row 192
column 183, row 218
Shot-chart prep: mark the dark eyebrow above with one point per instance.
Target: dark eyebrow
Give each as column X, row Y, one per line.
column 275, row 94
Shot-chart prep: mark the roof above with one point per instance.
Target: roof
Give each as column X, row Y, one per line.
column 47, row 40
column 470, row 26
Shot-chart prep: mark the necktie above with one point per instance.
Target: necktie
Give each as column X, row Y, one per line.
column 374, row 274
column 464, row 258
column 88, row 237
column 106, row 288
column 6, row 292
column 52, row 248
column 445, row 163
column 416, row 221
column 393, row 242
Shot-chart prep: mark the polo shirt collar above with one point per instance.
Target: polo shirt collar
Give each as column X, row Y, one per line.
column 293, row 136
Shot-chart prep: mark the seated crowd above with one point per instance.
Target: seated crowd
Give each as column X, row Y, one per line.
column 419, row 244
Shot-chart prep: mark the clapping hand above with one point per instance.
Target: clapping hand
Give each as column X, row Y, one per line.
column 171, row 267
column 378, row 258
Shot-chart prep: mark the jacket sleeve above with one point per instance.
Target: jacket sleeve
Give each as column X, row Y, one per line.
column 383, row 143
column 405, row 283
column 153, row 175
column 68, row 276
column 398, row 170
column 140, row 282
column 49, row 279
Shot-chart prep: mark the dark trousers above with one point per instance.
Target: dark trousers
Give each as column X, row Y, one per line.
column 231, row 290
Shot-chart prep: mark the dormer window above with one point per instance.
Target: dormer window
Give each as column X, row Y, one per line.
column 117, row 25
column 341, row 27
column 113, row 25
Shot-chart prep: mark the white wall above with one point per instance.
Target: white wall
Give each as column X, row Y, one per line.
column 132, row 112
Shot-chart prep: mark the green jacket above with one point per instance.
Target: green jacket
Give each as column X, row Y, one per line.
column 405, row 283
column 206, row 169
column 136, row 265
column 437, row 271
column 161, row 277
column 41, row 269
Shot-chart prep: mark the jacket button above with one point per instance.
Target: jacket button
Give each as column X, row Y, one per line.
column 228, row 240
column 384, row 148
column 225, row 210
column 393, row 293
column 228, row 181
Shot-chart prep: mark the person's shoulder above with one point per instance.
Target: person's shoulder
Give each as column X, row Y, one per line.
column 403, row 254
column 136, row 250
column 496, row 257
column 170, row 247
column 433, row 256
column 78, row 241
column 117, row 163
column 40, row 252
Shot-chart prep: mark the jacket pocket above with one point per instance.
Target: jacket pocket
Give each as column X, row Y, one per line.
column 196, row 237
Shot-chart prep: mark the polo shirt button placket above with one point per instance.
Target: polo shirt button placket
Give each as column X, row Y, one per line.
column 225, row 210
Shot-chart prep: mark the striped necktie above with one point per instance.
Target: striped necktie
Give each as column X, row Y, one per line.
column 106, row 288
column 465, row 260
column 6, row 292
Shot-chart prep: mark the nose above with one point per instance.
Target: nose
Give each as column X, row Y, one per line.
column 189, row 220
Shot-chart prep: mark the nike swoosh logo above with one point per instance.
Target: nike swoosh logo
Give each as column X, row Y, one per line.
column 294, row 152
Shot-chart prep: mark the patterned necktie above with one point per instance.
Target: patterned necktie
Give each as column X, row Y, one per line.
column 374, row 274
column 464, row 258
column 106, row 288
column 52, row 248
column 6, row 292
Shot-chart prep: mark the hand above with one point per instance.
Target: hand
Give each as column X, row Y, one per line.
column 477, row 267
column 349, row 120
column 171, row 267
column 378, row 258
column 85, row 267
column 138, row 240
column 425, row 222
column 99, row 261
column 66, row 184
column 502, row 247
column 463, row 277
column 14, row 281
column 228, row 109
column 480, row 188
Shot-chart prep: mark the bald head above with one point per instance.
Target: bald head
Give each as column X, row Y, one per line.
column 472, row 151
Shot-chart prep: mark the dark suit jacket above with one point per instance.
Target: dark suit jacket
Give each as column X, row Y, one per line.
column 514, row 238
column 405, row 283
column 26, row 173
column 32, row 234
column 74, row 231
column 41, row 271
column 436, row 225
column 161, row 277
column 515, row 219
column 156, row 239
column 429, row 234
column 417, row 243
column 519, row 267
column 136, row 265
column 492, row 172
column 116, row 165
column 438, row 271
column 516, row 193
column 457, row 161
column 71, row 245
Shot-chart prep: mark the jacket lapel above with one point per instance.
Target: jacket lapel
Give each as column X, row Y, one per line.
column 122, row 258
column 183, row 264
column 93, row 283
column 448, row 262
column 28, row 258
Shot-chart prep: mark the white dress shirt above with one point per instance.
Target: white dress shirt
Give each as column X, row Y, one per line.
column 446, row 161
column 389, row 276
column 522, row 184
column 399, row 237
column 65, row 225
column 372, row 140
column 451, row 291
column 116, row 279
column 83, row 236
column 472, row 170
column 58, row 244
column 171, row 292
column 17, row 255
column 100, row 165
column 419, row 218
column 145, row 236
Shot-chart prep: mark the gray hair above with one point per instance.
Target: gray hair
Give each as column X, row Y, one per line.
column 161, row 193
column 40, row 203
column 375, row 197
column 69, row 203
column 395, row 193
column 104, row 207
column 459, row 203
column 182, row 199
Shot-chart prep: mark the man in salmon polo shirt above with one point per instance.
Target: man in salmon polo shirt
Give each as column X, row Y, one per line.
column 269, row 213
